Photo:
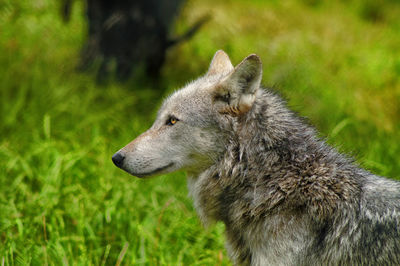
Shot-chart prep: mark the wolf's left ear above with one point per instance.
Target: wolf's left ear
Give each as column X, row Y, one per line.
column 236, row 94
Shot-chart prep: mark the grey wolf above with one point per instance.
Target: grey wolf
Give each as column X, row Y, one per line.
column 284, row 195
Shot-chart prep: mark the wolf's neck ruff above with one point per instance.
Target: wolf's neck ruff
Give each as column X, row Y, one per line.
column 274, row 166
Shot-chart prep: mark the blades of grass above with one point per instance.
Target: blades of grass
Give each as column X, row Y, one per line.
column 11, row 250
column 46, row 126
column 105, row 256
column 122, row 254
column 339, row 127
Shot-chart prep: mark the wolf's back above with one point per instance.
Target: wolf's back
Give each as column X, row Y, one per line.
column 368, row 231
column 380, row 221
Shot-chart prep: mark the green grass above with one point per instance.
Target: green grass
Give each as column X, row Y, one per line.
column 62, row 202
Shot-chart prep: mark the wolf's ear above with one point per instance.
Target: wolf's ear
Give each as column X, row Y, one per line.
column 236, row 94
column 220, row 64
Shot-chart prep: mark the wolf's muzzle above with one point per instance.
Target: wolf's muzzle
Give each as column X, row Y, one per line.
column 118, row 159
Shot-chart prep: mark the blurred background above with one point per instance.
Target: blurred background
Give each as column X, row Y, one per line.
column 80, row 79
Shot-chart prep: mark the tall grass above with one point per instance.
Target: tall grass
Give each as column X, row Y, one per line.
column 61, row 199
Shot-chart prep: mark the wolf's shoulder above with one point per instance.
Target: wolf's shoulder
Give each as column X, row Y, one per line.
column 380, row 195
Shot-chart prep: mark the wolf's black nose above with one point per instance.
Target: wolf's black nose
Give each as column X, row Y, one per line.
column 118, row 159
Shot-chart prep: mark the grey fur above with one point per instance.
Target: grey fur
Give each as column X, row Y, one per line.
column 285, row 196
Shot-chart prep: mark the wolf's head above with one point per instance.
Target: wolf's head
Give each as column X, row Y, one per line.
column 193, row 124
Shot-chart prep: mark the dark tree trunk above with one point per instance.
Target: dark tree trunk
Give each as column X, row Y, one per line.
column 129, row 33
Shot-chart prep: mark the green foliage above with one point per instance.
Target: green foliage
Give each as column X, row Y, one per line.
column 61, row 199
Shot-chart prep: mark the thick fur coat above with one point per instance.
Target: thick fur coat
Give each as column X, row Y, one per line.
column 284, row 195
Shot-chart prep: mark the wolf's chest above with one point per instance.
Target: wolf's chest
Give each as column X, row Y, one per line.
column 252, row 235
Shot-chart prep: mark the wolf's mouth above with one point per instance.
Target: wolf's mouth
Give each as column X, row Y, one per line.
column 154, row 171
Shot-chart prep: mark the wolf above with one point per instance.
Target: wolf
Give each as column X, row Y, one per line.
column 285, row 196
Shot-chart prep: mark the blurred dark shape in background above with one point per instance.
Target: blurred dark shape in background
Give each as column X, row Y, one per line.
column 129, row 33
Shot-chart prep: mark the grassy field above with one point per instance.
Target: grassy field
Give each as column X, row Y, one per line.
column 63, row 202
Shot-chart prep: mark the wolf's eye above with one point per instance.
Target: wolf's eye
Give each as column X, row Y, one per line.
column 172, row 121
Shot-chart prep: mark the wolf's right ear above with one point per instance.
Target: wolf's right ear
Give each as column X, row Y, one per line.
column 220, row 64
